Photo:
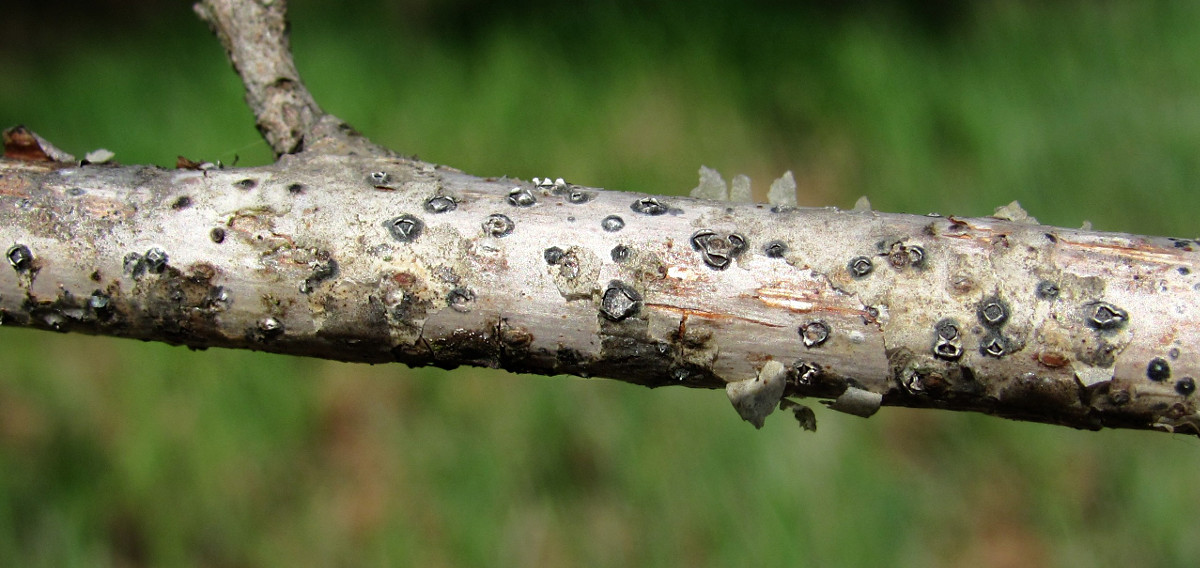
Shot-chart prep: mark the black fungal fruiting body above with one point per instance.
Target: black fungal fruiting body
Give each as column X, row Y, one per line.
column 620, row 301
column 994, row 345
column 460, row 299
column 992, row 312
column 1158, row 369
column 404, row 228
column 901, row 256
column 553, row 255
column 217, row 235
column 1047, row 290
column 718, row 251
column 321, row 270
column 1185, row 386
column 156, row 260
column 521, row 197
column 814, row 333
column 379, row 178
column 441, row 204
column 134, row 265
column 648, row 206
column 775, row 249
column 19, row 257
column 947, row 343
column 916, row 256
column 612, row 223
column 100, row 304
column 860, row 266
column 1105, row 316
column 270, row 328
column 498, row 225
column 804, row 372
column 947, row 330
column 947, row 350
column 1180, row 243
column 620, row 253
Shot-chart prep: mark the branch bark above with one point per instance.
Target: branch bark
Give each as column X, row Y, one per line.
column 344, row 250
column 255, row 36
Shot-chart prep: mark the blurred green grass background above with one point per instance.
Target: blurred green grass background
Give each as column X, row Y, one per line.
column 131, row 454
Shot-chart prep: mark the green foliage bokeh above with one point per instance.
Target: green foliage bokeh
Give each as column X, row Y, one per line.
column 127, row 454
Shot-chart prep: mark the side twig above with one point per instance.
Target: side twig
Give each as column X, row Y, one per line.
column 255, row 36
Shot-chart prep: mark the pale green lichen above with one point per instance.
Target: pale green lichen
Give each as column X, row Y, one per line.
column 863, row 204
column 1015, row 213
column 99, row 156
column 576, row 274
column 712, row 186
column 755, row 399
column 856, row 401
column 783, row 191
column 740, row 192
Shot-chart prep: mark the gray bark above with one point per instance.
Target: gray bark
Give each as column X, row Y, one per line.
column 346, row 251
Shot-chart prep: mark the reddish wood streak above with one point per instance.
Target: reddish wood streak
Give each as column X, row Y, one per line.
column 1052, row 359
column 687, row 312
column 806, row 301
column 1139, row 250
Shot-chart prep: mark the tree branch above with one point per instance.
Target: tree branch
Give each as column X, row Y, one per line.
column 255, row 36
column 346, row 251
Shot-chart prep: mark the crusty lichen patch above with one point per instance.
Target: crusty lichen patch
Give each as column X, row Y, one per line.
column 576, row 274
